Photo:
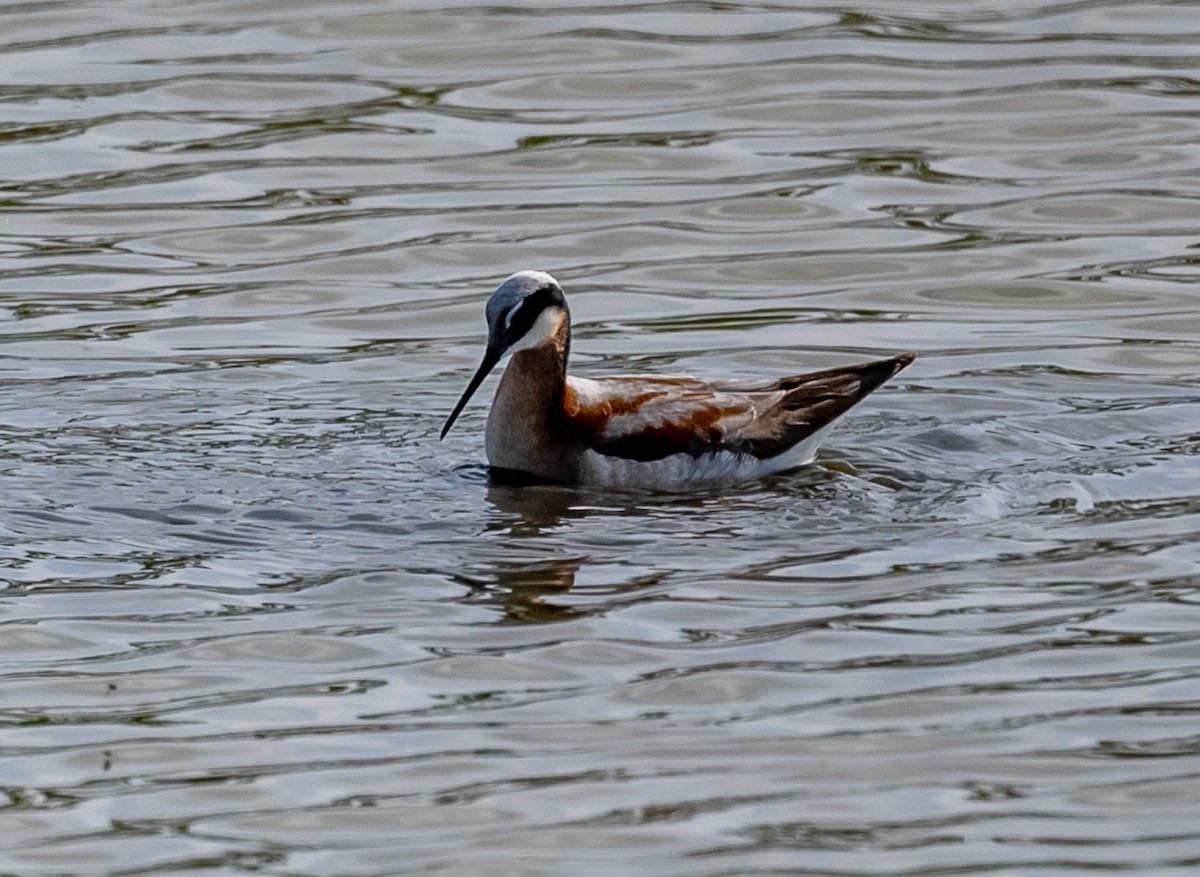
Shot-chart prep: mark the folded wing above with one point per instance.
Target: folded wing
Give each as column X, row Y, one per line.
column 643, row 418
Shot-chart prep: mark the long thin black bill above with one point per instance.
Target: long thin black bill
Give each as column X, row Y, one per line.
column 489, row 362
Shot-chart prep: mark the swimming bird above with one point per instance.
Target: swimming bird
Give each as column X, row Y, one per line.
column 642, row 431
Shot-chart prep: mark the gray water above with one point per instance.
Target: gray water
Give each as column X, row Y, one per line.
column 257, row 619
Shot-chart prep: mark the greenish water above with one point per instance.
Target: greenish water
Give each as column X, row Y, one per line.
column 255, row 618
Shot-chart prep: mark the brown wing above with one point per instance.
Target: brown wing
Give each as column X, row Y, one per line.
column 640, row 417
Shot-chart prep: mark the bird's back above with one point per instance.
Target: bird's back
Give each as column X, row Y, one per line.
column 645, row 418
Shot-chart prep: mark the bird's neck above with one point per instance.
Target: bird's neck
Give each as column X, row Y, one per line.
column 540, row 370
column 526, row 424
column 535, row 378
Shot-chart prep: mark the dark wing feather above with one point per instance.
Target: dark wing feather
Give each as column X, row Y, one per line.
column 644, row 418
column 811, row 402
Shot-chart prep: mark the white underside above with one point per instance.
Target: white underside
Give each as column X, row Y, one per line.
column 683, row 470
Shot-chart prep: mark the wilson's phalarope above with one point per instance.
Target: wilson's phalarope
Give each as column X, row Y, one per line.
column 643, row 430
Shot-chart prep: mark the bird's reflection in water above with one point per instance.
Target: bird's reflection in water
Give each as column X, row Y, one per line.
column 524, row 514
column 523, row 588
column 520, row 588
column 528, row 508
column 529, row 518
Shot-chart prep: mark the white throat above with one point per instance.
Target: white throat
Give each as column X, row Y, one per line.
column 544, row 328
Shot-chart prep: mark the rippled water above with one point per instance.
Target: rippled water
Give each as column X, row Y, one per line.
column 258, row 619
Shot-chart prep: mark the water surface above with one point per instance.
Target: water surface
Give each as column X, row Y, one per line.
column 256, row 618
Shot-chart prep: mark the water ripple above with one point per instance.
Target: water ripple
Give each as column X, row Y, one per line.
column 256, row 617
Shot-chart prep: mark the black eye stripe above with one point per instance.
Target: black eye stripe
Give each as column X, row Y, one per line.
column 524, row 314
